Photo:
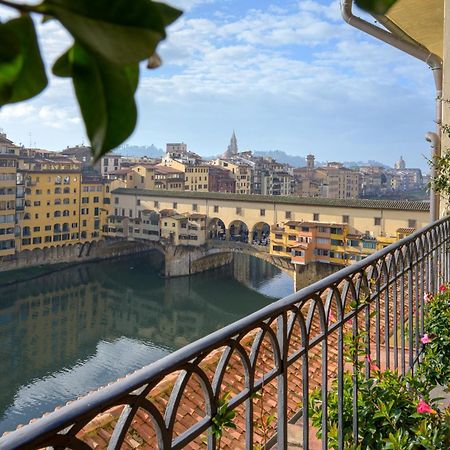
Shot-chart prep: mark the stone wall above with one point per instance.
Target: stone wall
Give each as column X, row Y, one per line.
column 72, row 253
column 306, row 275
column 191, row 261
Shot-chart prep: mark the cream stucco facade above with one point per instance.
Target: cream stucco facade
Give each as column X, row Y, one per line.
column 378, row 218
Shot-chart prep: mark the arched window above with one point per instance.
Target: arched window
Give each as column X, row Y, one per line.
column 57, row 214
column 57, row 228
column 26, row 231
column 66, row 213
column 65, row 227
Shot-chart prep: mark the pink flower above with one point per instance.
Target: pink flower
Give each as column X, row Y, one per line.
column 424, row 407
column 425, row 339
column 372, row 365
column 427, row 297
column 442, row 288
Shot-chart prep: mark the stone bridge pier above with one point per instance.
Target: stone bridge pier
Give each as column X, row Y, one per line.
column 181, row 261
column 185, row 260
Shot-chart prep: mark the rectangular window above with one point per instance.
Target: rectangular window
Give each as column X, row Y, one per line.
column 277, row 248
column 292, row 237
column 216, row 209
column 85, row 200
column 262, row 212
column 238, row 211
column 377, row 221
column 195, row 207
column 412, row 223
column 316, row 217
column 96, row 199
column 156, row 204
column 288, row 215
column 345, row 219
column 116, row 200
column 175, row 205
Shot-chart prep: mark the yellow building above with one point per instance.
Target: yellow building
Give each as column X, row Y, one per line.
column 95, row 207
column 51, row 210
column 59, row 206
column 8, row 169
column 196, row 178
column 242, row 174
column 179, row 229
column 141, row 176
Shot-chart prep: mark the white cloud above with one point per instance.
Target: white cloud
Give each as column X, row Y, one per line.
column 291, row 76
column 17, row 111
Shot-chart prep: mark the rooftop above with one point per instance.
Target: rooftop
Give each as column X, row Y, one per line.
column 401, row 205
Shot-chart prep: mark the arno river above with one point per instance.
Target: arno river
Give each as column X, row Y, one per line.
column 70, row 332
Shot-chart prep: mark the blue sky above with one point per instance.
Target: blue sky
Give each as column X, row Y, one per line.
column 287, row 75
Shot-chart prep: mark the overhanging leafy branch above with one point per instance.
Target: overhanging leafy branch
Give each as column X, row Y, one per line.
column 110, row 40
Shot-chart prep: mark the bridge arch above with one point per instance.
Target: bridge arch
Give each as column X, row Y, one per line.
column 216, row 229
column 238, row 231
column 260, row 234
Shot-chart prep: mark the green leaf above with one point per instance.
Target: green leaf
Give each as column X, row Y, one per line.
column 63, row 65
column 22, row 72
column 105, row 93
column 122, row 32
column 375, row 6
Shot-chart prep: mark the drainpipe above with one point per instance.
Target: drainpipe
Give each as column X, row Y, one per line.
column 400, row 40
column 433, row 138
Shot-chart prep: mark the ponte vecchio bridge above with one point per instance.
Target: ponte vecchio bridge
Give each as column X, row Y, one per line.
column 241, row 223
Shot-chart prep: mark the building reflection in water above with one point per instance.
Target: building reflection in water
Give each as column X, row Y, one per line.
column 69, row 332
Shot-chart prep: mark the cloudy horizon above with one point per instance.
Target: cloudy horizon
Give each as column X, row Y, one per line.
column 286, row 75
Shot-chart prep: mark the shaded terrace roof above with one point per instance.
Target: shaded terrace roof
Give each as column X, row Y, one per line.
column 422, row 20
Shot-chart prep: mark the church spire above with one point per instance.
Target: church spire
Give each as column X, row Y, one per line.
column 233, row 147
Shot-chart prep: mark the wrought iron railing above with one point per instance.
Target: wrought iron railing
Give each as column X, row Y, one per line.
column 265, row 365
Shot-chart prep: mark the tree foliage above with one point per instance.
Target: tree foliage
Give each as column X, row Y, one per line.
column 110, row 38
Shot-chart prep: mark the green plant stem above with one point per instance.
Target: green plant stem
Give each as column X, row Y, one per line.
column 19, row 6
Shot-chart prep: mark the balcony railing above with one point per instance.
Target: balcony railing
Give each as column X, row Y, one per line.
column 266, row 363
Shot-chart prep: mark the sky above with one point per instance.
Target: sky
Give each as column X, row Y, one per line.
column 285, row 75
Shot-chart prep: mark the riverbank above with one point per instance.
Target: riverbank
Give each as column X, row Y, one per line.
column 29, row 265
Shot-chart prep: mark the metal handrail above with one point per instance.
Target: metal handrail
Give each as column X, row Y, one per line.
column 419, row 262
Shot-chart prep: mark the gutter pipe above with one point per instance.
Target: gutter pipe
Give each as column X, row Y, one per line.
column 400, row 40
column 433, row 138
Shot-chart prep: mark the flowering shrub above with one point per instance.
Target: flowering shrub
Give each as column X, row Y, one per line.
column 394, row 411
column 435, row 364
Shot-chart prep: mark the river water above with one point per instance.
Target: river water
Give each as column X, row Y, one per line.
column 70, row 332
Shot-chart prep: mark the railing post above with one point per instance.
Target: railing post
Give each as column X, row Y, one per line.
column 412, row 264
column 282, row 394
